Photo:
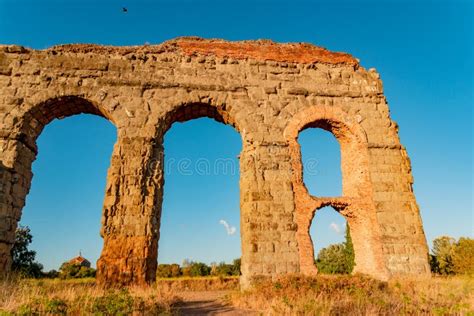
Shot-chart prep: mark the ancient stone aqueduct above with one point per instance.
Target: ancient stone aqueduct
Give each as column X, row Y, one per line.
column 269, row 93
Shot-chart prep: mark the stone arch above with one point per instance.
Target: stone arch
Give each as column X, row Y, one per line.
column 194, row 110
column 328, row 227
column 131, row 225
column 188, row 111
column 351, row 138
column 355, row 204
column 21, row 151
column 184, row 112
column 36, row 117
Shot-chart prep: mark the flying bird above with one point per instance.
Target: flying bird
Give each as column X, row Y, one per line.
column 124, row 10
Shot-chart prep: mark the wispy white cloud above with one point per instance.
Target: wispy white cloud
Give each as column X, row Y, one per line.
column 335, row 227
column 230, row 229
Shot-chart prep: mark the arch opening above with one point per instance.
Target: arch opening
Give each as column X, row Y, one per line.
column 70, row 167
column 34, row 121
column 200, row 222
column 67, row 189
column 332, row 242
column 321, row 160
column 355, row 202
column 196, row 110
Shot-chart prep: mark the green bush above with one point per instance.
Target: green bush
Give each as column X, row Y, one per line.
column 463, row 256
column 196, row 269
column 226, row 269
column 43, row 306
column 222, row 269
column 168, row 270
column 75, row 271
column 113, row 303
column 27, row 309
column 337, row 258
column 236, row 267
column 332, row 260
column 452, row 257
column 55, row 306
column 441, row 261
column 85, row 272
column 51, row 274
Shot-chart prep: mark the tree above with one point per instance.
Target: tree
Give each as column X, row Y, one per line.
column 434, row 264
column 332, row 259
column 349, row 251
column 463, row 256
column 199, row 269
column 85, row 272
column 443, row 248
column 51, row 274
column 23, row 258
column 68, row 270
column 168, row 270
column 236, row 267
column 175, row 270
column 75, row 271
column 226, row 269
column 337, row 258
column 186, row 263
column 222, row 269
column 193, row 269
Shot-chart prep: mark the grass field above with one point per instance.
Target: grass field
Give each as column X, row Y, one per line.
column 289, row 295
column 359, row 295
column 81, row 297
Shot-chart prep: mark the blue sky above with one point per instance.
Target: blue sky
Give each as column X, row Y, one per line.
column 423, row 51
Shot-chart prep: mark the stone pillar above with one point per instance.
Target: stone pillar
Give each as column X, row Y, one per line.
column 7, row 228
column 403, row 238
column 268, row 226
column 15, row 181
column 132, row 209
column 365, row 234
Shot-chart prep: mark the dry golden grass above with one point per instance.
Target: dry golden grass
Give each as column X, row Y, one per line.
column 289, row 295
column 359, row 295
column 80, row 297
column 210, row 283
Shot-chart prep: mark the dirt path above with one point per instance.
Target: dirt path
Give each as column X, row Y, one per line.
column 207, row 303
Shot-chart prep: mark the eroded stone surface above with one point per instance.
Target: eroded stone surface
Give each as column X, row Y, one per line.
column 268, row 92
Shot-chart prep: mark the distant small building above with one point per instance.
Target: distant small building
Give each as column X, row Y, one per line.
column 81, row 261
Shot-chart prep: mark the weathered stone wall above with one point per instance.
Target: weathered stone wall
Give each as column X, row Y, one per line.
column 268, row 92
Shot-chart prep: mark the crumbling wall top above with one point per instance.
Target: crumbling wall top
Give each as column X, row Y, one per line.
column 265, row 50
